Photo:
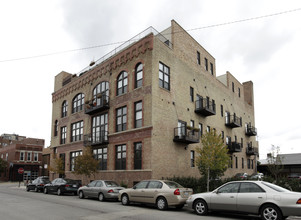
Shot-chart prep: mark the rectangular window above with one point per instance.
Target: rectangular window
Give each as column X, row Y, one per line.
column 238, row 92
column 211, row 68
column 138, row 156
column 100, row 129
column 252, row 161
column 120, row 159
column 73, row 155
column 138, row 114
column 231, row 162
column 201, row 129
column 236, row 162
column 233, row 87
column 22, row 155
column 121, row 119
column 192, row 158
column 249, row 164
column 63, row 135
column 242, row 142
column 222, row 110
column 242, row 163
column 223, row 135
column 164, row 76
column 101, row 154
column 198, row 57
column 28, row 156
column 191, row 94
column 208, row 129
column 77, row 131
column 206, row 64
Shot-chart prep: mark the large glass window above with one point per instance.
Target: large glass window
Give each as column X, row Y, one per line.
column 22, row 155
column 137, row 155
column 101, row 154
column 120, row 158
column 121, row 119
column 122, row 83
column 64, row 109
column 164, row 76
column 77, row 131
column 56, row 127
column 36, row 156
column 101, row 93
column 73, row 155
column 78, row 103
column 138, row 75
column 29, row 156
column 138, row 114
column 100, row 128
column 63, row 135
column 192, row 159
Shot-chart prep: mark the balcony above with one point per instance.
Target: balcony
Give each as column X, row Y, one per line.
column 234, row 147
column 98, row 104
column 185, row 135
column 251, row 150
column 96, row 139
column 250, row 130
column 205, row 107
column 233, row 121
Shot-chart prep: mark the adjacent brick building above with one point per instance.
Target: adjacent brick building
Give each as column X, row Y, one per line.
column 21, row 152
column 137, row 107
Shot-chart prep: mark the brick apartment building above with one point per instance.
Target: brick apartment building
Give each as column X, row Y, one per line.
column 137, row 107
column 21, row 152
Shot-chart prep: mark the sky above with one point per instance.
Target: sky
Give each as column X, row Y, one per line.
column 256, row 40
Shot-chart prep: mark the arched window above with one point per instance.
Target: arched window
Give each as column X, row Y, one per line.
column 64, row 109
column 101, row 93
column 78, row 103
column 122, row 83
column 138, row 75
column 56, row 128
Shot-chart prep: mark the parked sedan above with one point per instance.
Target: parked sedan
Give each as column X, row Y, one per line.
column 38, row 184
column 270, row 201
column 101, row 189
column 162, row 193
column 61, row 186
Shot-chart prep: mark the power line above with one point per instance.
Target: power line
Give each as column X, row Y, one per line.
column 188, row 30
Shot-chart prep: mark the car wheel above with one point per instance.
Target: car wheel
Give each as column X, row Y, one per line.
column 161, row 203
column 101, row 197
column 81, row 195
column 270, row 212
column 125, row 199
column 27, row 189
column 36, row 189
column 45, row 190
column 59, row 192
column 200, row 207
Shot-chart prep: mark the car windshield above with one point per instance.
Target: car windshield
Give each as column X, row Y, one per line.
column 275, row 187
column 111, row 183
column 173, row 185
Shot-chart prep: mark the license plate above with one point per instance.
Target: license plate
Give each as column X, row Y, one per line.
column 74, row 185
column 186, row 193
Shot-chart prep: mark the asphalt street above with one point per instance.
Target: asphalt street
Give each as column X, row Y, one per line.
column 18, row 204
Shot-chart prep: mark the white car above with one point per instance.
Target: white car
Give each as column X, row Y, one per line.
column 270, row 201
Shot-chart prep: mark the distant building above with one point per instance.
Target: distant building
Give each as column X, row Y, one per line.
column 144, row 107
column 21, row 152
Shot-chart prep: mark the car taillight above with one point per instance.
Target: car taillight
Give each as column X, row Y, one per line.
column 110, row 191
column 299, row 201
column 66, row 185
column 42, row 184
column 177, row 192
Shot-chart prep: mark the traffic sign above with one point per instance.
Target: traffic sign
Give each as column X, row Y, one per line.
column 21, row 170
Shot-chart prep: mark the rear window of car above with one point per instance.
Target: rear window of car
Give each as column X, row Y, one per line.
column 275, row 187
column 111, row 184
column 173, row 185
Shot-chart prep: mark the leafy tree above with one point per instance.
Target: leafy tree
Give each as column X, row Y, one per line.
column 59, row 166
column 85, row 164
column 213, row 158
column 3, row 165
column 275, row 162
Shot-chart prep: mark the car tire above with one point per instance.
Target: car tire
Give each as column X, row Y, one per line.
column 81, row 195
column 161, row 203
column 101, row 197
column 270, row 212
column 59, row 192
column 200, row 207
column 27, row 189
column 125, row 199
column 45, row 190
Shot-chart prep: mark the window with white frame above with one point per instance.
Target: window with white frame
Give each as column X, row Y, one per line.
column 22, row 155
column 36, row 156
column 77, row 131
column 28, row 156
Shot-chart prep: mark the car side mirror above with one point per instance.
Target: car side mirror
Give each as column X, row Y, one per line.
column 134, row 187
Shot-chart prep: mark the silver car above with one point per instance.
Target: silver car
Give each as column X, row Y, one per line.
column 101, row 189
column 270, row 201
column 162, row 193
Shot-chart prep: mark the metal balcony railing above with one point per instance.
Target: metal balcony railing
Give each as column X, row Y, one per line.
column 205, row 107
column 234, row 147
column 251, row 131
column 98, row 138
column 97, row 104
column 184, row 135
column 233, row 121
